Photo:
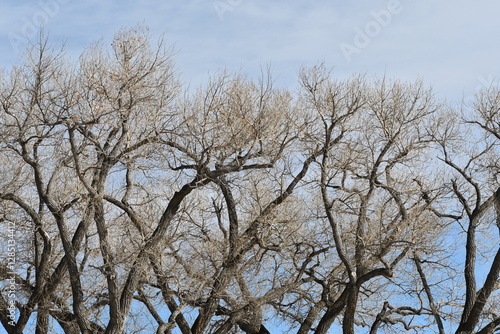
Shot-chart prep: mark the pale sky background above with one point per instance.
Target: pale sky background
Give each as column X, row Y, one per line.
column 451, row 45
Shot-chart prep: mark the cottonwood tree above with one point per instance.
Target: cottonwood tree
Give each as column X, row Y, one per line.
column 466, row 201
column 374, row 145
column 109, row 155
column 470, row 151
column 142, row 207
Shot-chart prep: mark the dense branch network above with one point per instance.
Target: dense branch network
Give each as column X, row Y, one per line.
column 128, row 205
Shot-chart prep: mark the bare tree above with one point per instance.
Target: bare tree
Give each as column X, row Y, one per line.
column 374, row 151
column 476, row 190
column 135, row 206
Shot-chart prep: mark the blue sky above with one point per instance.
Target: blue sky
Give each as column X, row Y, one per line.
column 451, row 45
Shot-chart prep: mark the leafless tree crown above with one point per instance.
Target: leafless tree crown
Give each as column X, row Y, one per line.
column 129, row 204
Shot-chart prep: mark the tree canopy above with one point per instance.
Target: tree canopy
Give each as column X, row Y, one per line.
column 132, row 204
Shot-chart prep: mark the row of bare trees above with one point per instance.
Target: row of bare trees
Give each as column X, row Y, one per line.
column 361, row 206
